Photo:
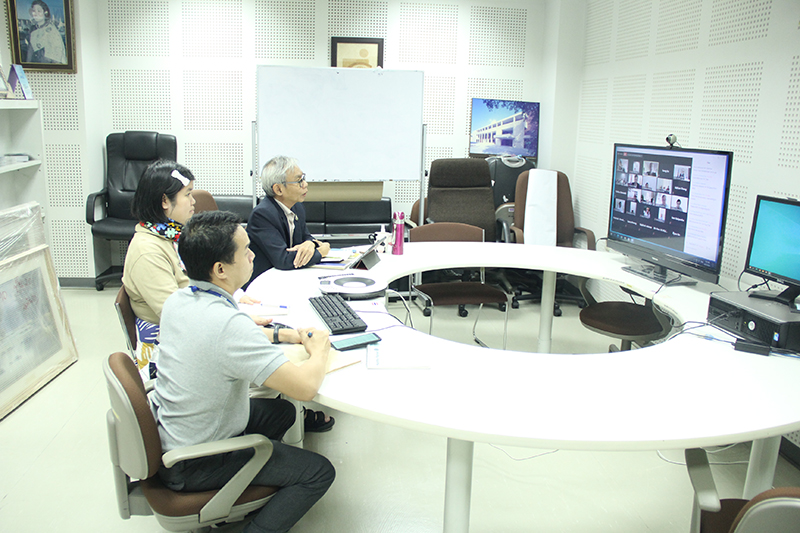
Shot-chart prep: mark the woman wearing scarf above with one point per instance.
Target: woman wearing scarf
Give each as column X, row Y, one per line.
column 163, row 203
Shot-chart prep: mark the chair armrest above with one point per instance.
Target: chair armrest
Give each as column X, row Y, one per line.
column 214, row 448
column 220, row 505
column 90, row 203
column 591, row 243
column 519, row 235
column 705, row 490
column 504, row 231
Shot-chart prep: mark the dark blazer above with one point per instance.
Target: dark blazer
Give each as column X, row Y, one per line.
column 268, row 230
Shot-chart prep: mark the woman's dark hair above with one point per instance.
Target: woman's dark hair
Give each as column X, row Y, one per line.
column 44, row 7
column 156, row 181
column 207, row 239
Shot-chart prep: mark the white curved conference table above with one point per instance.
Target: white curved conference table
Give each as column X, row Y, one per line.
column 688, row 392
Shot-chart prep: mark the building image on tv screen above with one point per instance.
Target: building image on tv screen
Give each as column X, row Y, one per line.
column 504, row 128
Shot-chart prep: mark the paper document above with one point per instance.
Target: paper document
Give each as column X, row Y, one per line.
column 297, row 354
column 392, row 360
column 265, row 310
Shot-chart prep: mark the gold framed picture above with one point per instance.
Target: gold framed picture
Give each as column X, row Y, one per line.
column 356, row 52
column 42, row 34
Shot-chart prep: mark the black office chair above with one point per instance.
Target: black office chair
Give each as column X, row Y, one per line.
column 127, row 156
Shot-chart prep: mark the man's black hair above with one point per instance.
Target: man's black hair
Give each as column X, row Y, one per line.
column 207, row 239
column 156, row 181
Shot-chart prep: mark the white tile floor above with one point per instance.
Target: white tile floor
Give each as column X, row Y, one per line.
column 55, row 473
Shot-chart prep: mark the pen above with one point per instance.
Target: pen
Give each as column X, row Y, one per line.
column 335, row 275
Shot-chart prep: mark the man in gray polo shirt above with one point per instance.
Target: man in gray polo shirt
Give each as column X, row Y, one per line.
column 210, row 353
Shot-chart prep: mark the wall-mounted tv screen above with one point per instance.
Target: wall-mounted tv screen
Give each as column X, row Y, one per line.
column 668, row 208
column 504, row 128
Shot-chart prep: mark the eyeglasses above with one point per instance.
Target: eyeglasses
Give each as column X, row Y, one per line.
column 302, row 181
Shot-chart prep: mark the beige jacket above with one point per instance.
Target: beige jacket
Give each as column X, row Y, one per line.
column 152, row 273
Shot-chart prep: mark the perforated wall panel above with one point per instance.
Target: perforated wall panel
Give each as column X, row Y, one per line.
column 627, row 107
column 140, row 100
column 359, row 18
column 70, row 239
column 672, row 96
column 591, row 187
column 592, row 115
column 212, row 100
column 211, row 29
column 439, row 105
column 731, row 96
column 285, row 29
column 64, row 177
column 633, row 29
column 137, row 28
column 58, row 95
column 739, row 20
column 503, row 89
column 217, row 167
column 428, row 33
column 789, row 151
column 737, row 230
column 599, row 20
column 794, row 437
column 678, row 26
column 497, row 36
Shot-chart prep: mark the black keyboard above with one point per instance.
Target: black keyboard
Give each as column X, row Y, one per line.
column 337, row 314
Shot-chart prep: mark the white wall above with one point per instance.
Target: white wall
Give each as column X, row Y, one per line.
column 187, row 68
column 719, row 75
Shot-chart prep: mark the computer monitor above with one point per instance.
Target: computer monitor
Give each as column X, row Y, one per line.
column 668, row 208
column 504, row 128
column 774, row 249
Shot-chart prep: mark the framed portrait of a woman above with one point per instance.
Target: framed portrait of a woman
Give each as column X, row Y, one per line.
column 42, row 34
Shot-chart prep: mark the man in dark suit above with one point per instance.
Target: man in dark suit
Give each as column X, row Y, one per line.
column 279, row 237
column 277, row 226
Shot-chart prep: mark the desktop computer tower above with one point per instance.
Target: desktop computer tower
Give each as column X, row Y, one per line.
column 754, row 319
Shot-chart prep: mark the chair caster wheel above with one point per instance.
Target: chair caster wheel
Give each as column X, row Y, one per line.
column 557, row 312
column 462, row 311
column 515, row 304
column 99, row 286
column 502, row 308
column 426, row 312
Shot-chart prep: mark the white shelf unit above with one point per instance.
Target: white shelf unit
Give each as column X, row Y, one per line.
column 21, row 132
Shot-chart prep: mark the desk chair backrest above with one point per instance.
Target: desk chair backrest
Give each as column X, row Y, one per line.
column 775, row 510
column 127, row 318
column 565, row 225
column 460, row 190
column 446, row 231
column 203, row 201
column 127, row 156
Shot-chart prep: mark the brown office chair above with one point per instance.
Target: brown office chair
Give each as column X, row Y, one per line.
column 127, row 318
column 203, row 201
column 460, row 190
column 628, row 321
column 565, row 236
column 136, row 455
column 774, row 511
column 457, row 292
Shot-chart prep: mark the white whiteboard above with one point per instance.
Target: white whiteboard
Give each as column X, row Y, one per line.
column 342, row 124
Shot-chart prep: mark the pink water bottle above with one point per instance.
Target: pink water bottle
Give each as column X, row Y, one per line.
column 399, row 226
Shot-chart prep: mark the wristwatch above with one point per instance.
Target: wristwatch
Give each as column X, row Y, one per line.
column 275, row 330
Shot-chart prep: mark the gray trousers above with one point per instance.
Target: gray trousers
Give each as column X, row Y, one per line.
column 303, row 476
